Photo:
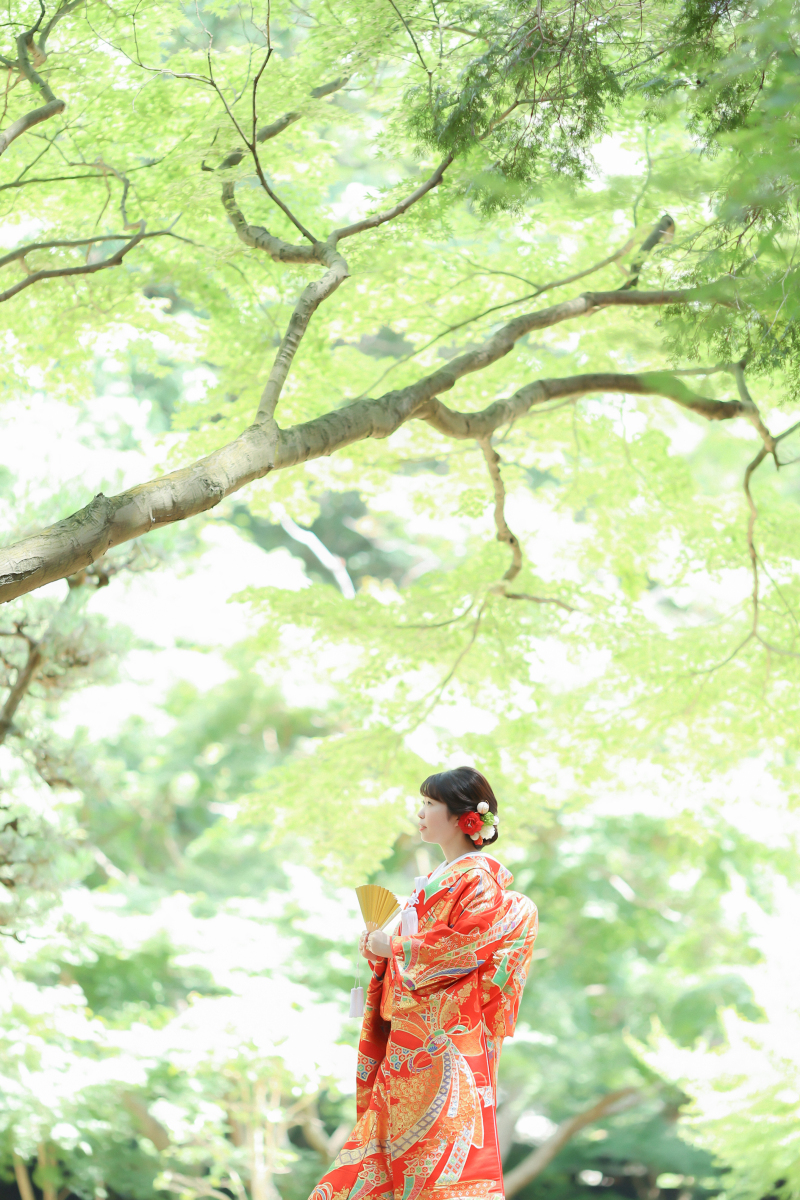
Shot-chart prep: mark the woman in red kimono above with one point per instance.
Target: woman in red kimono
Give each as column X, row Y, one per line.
column 443, row 994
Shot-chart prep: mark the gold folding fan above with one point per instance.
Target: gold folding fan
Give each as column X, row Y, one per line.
column 378, row 905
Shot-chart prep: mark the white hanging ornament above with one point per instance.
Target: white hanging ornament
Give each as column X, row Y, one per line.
column 483, row 807
column 357, row 1002
column 409, row 921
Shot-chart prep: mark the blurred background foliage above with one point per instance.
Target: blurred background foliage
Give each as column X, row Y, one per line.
column 192, row 786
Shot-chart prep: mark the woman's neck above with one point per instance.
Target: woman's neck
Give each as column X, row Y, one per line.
column 456, row 848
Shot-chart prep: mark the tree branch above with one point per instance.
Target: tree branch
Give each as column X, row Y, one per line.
column 398, row 209
column 25, row 677
column 115, row 260
column 264, row 135
column 72, row 544
column 504, row 534
column 145, row 1122
column 191, row 1185
column 23, row 1178
column 261, row 239
column 52, row 106
column 310, row 299
column 267, row 132
column 28, row 121
column 526, row 1171
column 539, row 289
column 44, row 1154
column 751, row 525
column 502, row 412
column 22, row 251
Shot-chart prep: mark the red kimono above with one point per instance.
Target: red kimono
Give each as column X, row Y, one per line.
column 435, row 1017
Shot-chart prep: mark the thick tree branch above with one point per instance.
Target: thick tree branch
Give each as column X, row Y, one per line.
column 259, row 238
column 28, row 121
column 310, row 299
column 659, row 229
column 23, row 1178
column 535, row 1163
column 72, row 544
column 502, row 412
column 145, row 1122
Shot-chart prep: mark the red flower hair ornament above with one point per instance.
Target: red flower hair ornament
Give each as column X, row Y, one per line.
column 473, row 823
column 470, row 823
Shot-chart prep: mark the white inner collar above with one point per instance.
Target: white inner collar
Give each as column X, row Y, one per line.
column 469, row 854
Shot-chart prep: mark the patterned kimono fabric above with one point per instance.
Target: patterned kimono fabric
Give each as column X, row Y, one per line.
column 435, row 1017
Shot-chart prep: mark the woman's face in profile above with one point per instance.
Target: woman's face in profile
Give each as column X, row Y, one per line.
column 436, row 822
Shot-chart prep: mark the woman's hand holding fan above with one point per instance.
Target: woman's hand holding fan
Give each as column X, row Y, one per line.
column 378, row 907
column 363, row 947
column 379, row 944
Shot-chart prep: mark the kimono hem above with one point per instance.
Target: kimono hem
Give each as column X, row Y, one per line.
column 435, row 1017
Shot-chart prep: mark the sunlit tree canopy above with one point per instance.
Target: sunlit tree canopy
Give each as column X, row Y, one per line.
column 455, row 344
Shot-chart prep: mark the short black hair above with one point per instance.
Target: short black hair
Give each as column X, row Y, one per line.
column 462, row 790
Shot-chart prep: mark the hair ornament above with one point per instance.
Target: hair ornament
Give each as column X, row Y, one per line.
column 483, row 807
column 471, row 823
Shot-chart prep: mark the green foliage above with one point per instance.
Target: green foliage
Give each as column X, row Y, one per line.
column 629, row 671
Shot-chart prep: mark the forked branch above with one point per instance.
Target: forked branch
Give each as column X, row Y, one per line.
column 53, row 105
column 77, row 541
column 86, row 268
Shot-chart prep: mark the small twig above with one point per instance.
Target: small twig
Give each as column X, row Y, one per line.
column 751, row 523
column 413, row 39
column 539, row 600
column 459, row 659
column 717, row 666
column 647, row 176
column 398, row 209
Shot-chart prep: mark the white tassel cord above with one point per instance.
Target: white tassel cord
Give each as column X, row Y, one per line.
column 409, row 920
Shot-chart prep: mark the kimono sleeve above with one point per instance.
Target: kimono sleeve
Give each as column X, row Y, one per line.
column 437, row 957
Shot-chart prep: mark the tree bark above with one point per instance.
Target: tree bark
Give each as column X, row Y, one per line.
column 37, row 653
column 80, row 539
column 521, row 1175
column 23, row 1179
column 145, row 1122
column 25, row 677
column 48, row 1190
